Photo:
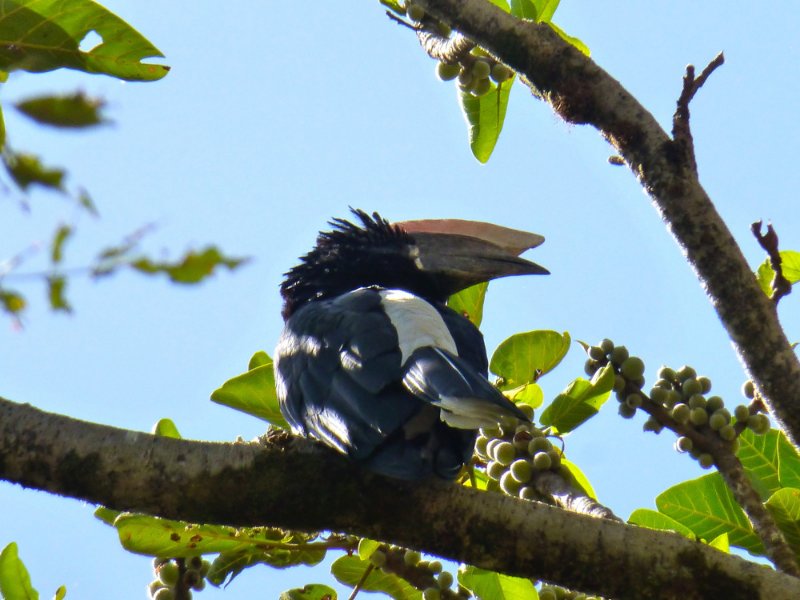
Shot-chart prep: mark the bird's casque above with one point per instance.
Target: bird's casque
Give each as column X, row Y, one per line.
column 372, row 362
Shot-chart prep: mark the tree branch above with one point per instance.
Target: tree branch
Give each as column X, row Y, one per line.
column 279, row 483
column 581, row 92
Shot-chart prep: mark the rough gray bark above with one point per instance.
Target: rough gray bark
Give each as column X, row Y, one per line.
column 293, row 483
column 581, row 92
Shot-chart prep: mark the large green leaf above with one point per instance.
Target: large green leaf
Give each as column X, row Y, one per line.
column 652, row 519
column 312, row 591
column 15, row 583
column 784, row 506
column 707, row 507
column 525, row 9
column 488, row 585
column 529, row 393
column 788, row 462
column 485, row 115
column 253, row 392
column 43, row 35
column 580, row 401
column 27, row 169
column 350, row 570
column 524, row 357
column 469, row 302
column 790, row 265
column 578, row 478
column 759, row 456
column 154, row 536
column 73, row 110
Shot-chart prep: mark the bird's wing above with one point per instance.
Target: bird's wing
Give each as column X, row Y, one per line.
column 466, row 399
column 338, row 368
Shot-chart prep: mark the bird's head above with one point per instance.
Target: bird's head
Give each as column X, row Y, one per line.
column 429, row 258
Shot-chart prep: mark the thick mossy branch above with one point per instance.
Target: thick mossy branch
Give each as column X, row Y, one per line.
column 581, row 92
column 296, row 484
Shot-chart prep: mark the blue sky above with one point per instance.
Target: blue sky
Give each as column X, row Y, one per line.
column 275, row 118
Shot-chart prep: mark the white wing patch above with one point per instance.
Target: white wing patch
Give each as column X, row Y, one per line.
column 418, row 324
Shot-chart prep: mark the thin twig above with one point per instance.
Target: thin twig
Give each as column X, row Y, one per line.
column 769, row 242
column 361, row 581
column 681, row 130
column 400, row 21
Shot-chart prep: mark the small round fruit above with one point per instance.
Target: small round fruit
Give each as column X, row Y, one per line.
column 445, row 579
column 663, row 383
column 495, row 470
column 526, row 492
column 618, row 355
column 658, row 395
column 634, row 400
column 607, row 345
column 490, row 432
column 705, row 383
column 758, row 423
column 542, row 461
column 690, row 387
column 491, row 446
column 378, row 558
column 697, row 401
column 714, row 403
column 481, row 69
column 706, row 460
column 527, row 410
column 742, row 413
column 505, row 453
column 590, row 366
column 681, row 412
column 698, row 416
column 673, row 397
column 555, row 458
column 666, row 373
column 465, row 78
column 509, row 485
column 749, row 389
column 521, row 470
column 596, row 353
column 625, row 411
column 683, row 444
column 521, row 440
column 685, row 372
column 431, row 593
column 448, row 71
column 411, row 558
column 501, row 73
column 164, row 594
column 414, row 12
column 168, row 574
column 727, row 433
column 539, row 444
column 652, row 425
column 547, row 594
column 481, row 444
column 632, row 368
column 717, row 421
column 481, row 87
column 619, row 383
column 435, row 566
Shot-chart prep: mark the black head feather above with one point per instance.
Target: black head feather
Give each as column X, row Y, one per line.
column 350, row 256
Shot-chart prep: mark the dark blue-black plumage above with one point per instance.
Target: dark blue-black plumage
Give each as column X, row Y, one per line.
column 373, row 363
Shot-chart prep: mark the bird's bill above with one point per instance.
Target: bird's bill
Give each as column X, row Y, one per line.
column 459, row 261
column 513, row 241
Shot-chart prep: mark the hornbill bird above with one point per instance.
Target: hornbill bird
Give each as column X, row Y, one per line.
column 372, row 362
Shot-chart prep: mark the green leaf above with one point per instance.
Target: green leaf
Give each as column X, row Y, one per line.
column 485, row 116
column 61, row 593
column 106, row 515
column 530, row 394
column 26, row 169
column 487, row 585
column 15, row 583
column 546, row 9
column 349, row 570
column 790, row 265
column 644, row 517
column 721, row 543
column 707, row 507
column 788, row 462
column 166, row 428
column 524, row 357
column 253, row 392
column 469, row 302
column 580, row 401
column 784, row 506
column 367, row 547
column 62, row 234
column 43, row 35
column 2, row 129
column 259, row 359
column 154, row 536
column 12, row 302
column 72, row 110
column 56, row 286
column 578, row 478
column 501, row 4
column 525, row 9
column 312, row 591
column 759, row 456
column 573, row 41
column 194, row 267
